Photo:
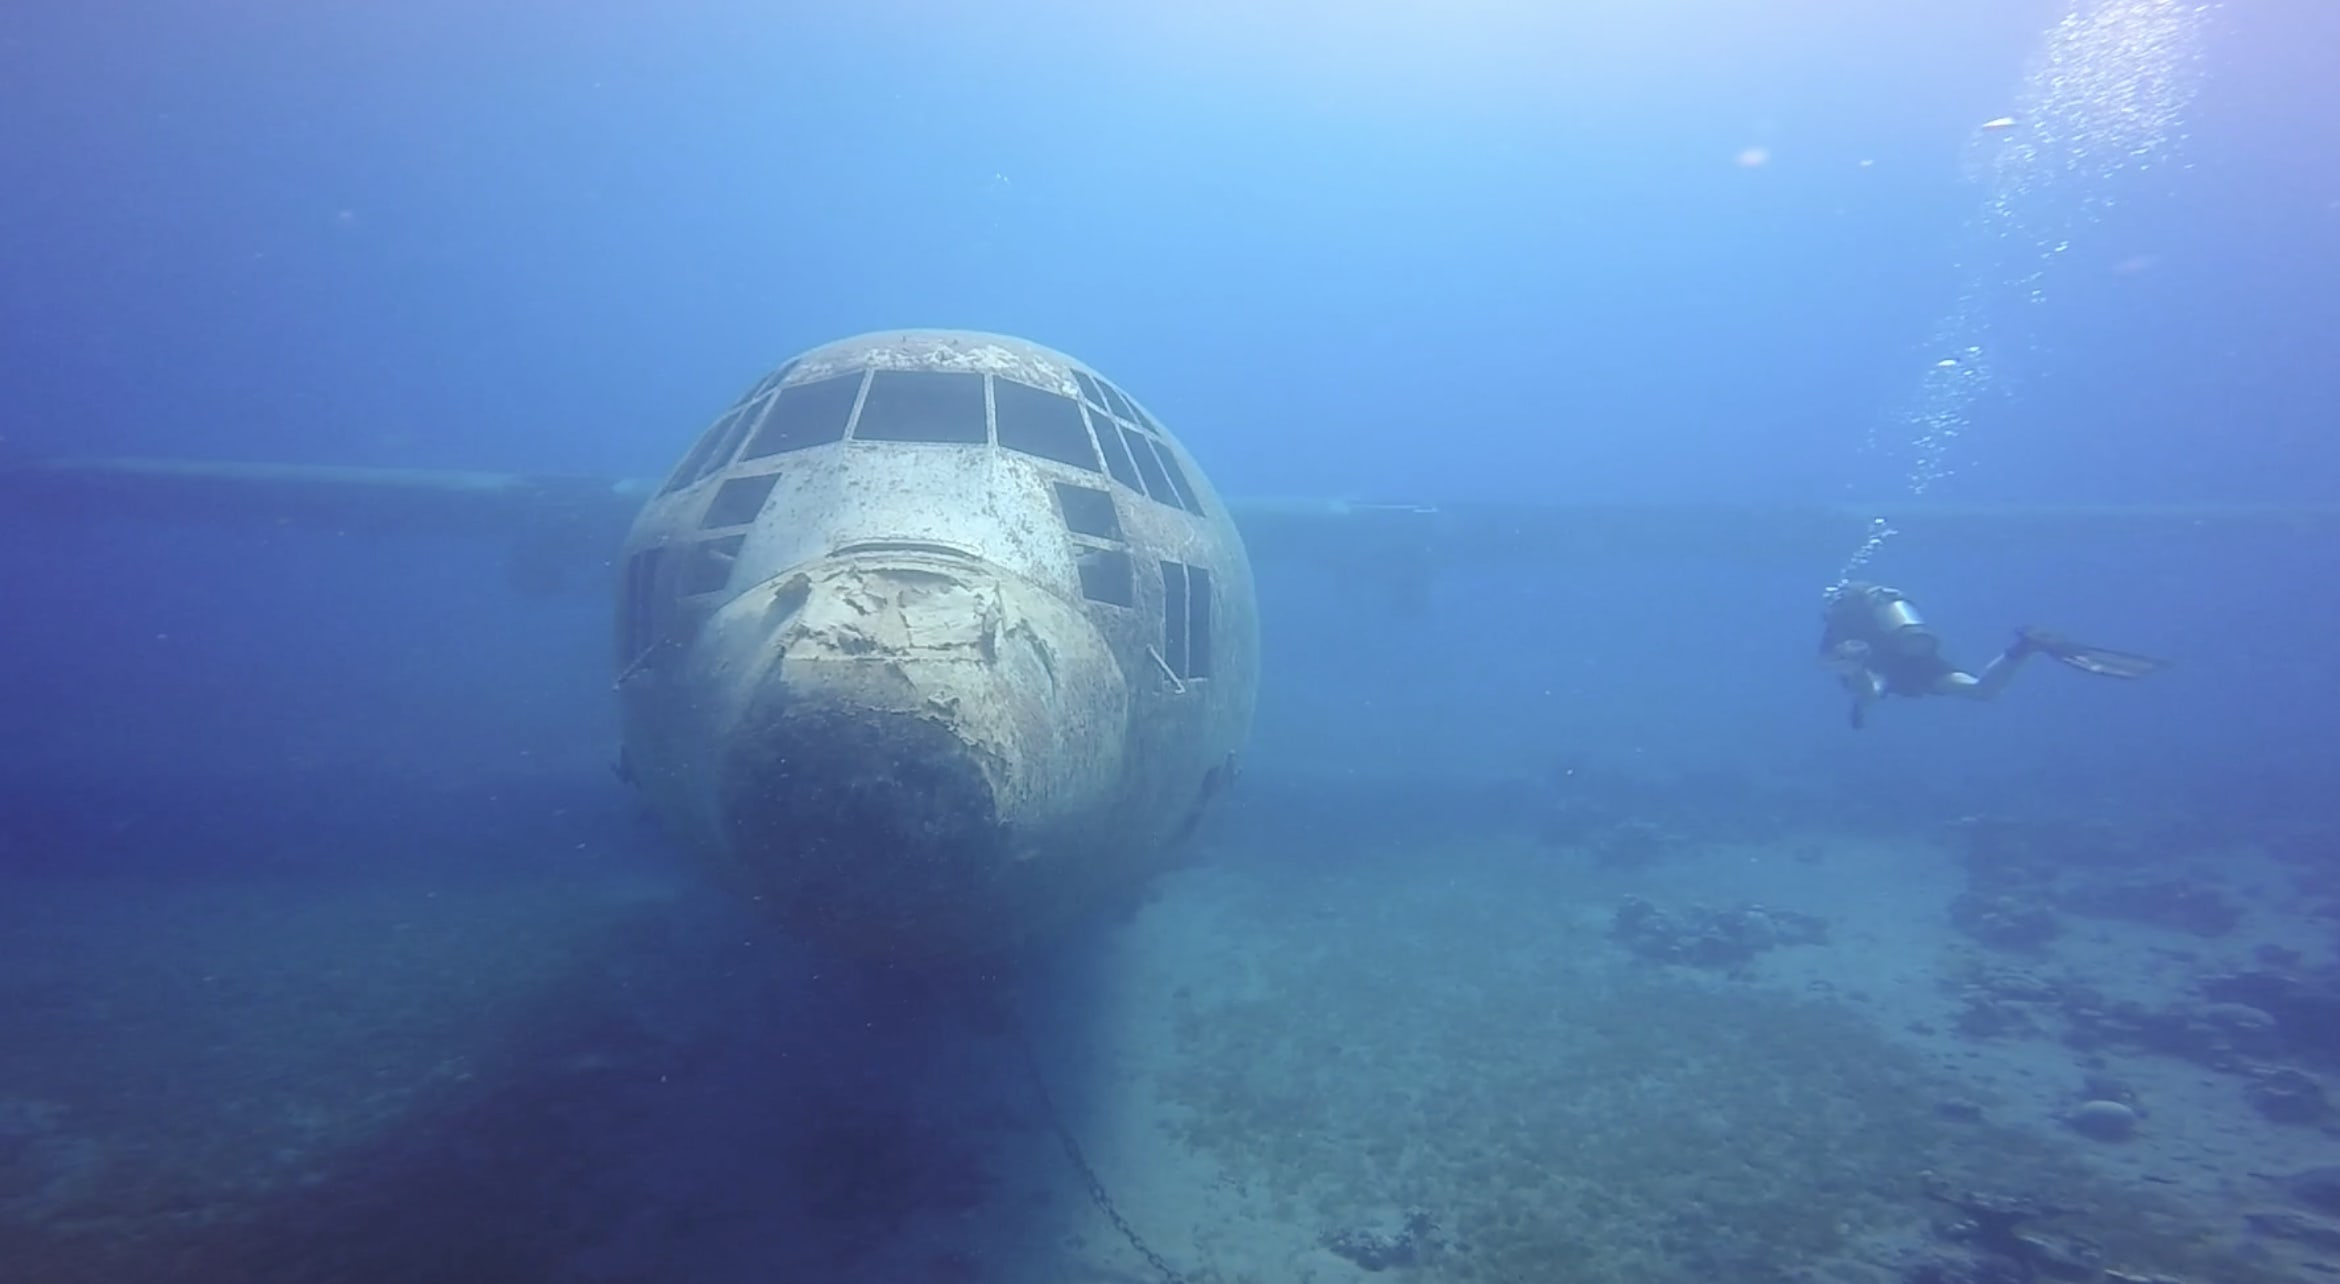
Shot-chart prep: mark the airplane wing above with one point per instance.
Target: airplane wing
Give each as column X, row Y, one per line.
column 581, row 519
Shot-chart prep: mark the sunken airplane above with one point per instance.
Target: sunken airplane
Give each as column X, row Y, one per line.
column 936, row 642
column 933, row 641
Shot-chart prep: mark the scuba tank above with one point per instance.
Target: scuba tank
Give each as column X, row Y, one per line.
column 1899, row 628
column 1880, row 617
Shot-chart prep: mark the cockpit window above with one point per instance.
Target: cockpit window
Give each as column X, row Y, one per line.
column 738, row 501
column 1198, row 622
column 1089, row 389
column 1174, row 616
column 770, row 381
column 707, row 568
column 1168, row 458
column 923, row 405
column 1088, row 511
column 1157, row 481
column 1186, row 620
column 1105, row 576
column 1041, row 423
column 808, row 414
column 714, row 446
column 1117, row 403
column 1137, row 457
column 1117, row 460
column 639, row 626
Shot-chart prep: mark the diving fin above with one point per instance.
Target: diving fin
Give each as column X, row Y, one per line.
column 2102, row 661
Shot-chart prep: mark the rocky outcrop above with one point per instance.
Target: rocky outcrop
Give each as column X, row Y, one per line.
column 1702, row 937
column 2215, row 1029
column 1378, row 1248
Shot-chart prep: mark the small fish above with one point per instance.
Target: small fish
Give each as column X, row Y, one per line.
column 2003, row 122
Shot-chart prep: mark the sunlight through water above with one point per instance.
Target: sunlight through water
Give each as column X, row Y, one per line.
column 2106, row 94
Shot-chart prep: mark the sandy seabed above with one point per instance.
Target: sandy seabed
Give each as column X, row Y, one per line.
column 1396, row 1061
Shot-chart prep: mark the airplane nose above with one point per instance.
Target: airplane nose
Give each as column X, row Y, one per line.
column 926, row 754
column 864, row 825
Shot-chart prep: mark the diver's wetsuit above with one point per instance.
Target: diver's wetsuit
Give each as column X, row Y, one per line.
column 1879, row 646
column 1875, row 643
column 1915, row 674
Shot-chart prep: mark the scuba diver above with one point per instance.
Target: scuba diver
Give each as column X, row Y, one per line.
column 1876, row 644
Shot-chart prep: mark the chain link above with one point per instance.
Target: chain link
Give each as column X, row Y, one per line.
column 1080, row 1163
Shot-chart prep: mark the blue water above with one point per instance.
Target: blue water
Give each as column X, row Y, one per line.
column 1659, row 255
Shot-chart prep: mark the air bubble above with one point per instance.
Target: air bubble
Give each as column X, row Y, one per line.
column 2105, row 96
